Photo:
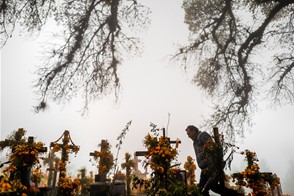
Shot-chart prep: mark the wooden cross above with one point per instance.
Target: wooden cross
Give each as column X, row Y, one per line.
column 18, row 138
column 220, row 153
column 143, row 153
column 220, row 160
column 26, row 181
column 103, row 145
column 64, row 146
column 31, row 142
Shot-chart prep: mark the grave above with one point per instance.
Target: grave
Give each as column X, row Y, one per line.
column 102, row 187
column 164, row 176
column 52, row 162
column 67, row 146
column 24, row 173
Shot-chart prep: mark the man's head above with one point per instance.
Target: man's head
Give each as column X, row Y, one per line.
column 192, row 131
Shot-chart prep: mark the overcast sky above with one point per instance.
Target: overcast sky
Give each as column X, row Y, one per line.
column 152, row 88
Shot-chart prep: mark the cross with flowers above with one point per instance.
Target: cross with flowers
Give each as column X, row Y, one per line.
column 159, row 156
column 105, row 162
column 24, row 156
column 15, row 139
column 67, row 146
column 143, row 153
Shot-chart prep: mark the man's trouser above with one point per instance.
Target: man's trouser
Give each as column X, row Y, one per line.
column 207, row 183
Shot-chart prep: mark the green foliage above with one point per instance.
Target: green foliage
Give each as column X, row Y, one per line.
column 194, row 190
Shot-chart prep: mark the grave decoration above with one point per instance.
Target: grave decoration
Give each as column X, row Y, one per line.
column 128, row 165
column 66, row 185
column 106, row 162
column 37, row 176
column 84, row 180
column 161, row 158
column 190, row 167
column 16, row 138
column 23, row 157
column 104, row 158
column 261, row 183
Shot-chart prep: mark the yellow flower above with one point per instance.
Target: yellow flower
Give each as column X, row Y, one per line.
column 6, row 187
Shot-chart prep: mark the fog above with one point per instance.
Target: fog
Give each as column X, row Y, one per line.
column 152, row 88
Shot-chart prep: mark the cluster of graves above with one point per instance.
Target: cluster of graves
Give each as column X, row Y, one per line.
column 100, row 186
column 54, row 172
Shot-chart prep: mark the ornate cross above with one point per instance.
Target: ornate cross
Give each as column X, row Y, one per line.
column 65, row 147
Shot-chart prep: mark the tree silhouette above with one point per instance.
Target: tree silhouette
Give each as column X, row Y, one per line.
column 226, row 38
column 96, row 34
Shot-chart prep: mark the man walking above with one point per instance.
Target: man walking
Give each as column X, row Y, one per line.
column 207, row 159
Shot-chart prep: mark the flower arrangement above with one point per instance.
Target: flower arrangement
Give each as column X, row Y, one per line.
column 160, row 153
column 37, row 176
column 252, row 178
column 190, row 166
column 68, row 186
column 66, row 148
column 104, row 158
column 13, row 186
column 15, row 138
column 159, row 157
column 26, row 155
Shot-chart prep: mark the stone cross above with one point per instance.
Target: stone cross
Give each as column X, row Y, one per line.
column 52, row 162
column 52, row 179
column 137, row 172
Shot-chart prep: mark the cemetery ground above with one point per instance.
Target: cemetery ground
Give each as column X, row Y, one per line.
column 33, row 168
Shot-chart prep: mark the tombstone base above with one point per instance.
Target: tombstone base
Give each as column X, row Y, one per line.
column 108, row 188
